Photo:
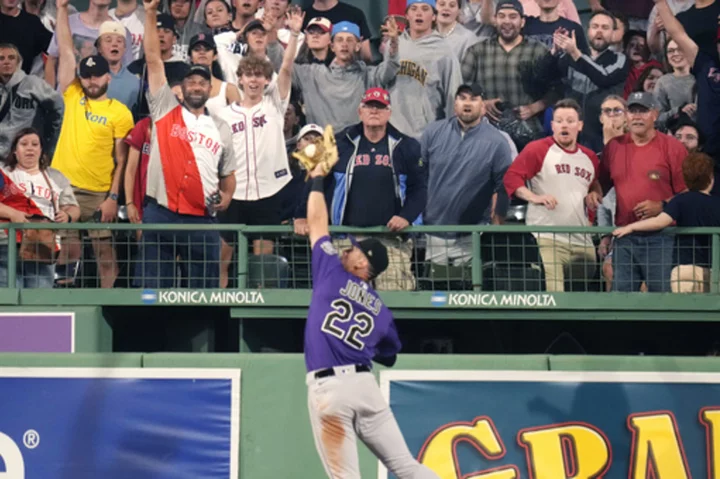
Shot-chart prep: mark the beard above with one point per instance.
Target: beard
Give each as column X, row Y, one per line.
column 95, row 92
column 599, row 45
column 509, row 35
column 468, row 118
column 195, row 100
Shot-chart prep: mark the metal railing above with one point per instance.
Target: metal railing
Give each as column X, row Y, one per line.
column 466, row 258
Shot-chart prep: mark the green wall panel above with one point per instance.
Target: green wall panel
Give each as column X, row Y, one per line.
column 635, row 363
column 77, row 360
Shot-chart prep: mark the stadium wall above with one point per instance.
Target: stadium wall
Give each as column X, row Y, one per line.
column 275, row 436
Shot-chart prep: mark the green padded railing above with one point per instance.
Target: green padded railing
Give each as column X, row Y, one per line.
column 436, row 288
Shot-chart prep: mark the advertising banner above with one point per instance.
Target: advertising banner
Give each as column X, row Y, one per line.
column 119, row 423
column 37, row 332
column 559, row 425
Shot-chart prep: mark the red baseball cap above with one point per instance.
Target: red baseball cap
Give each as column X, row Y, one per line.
column 377, row 94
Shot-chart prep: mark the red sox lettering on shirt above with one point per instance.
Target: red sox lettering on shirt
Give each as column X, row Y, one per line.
column 548, row 169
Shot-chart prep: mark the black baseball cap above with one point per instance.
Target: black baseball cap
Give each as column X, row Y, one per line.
column 93, row 66
column 201, row 70
column 643, row 99
column 254, row 25
column 511, row 4
column 203, row 39
column 167, row 22
column 474, row 89
column 376, row 253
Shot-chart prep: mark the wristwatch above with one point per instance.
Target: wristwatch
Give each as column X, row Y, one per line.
column 113, row 196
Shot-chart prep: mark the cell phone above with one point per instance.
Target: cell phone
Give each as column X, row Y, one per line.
column 97, row 216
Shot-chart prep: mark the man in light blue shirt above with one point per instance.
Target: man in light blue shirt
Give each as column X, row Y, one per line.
column 112, row 45
column 467, row 159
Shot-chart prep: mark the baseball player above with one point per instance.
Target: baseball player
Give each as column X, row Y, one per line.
column 348, row 327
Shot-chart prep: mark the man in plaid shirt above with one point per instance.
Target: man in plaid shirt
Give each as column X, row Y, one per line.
column 519, row 75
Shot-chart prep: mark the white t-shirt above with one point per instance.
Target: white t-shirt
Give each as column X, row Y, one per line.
column 259, row 146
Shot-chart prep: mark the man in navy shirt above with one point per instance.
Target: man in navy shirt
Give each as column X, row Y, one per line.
column 348, row 327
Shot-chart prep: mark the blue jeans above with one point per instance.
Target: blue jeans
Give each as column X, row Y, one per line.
column 199, row 252
column 643, row 257
column 28, row 274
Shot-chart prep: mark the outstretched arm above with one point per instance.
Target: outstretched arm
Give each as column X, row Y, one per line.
column 151, row 45
column 66, row 55
column 295, row 19
column 676, row 31
column 317, row 214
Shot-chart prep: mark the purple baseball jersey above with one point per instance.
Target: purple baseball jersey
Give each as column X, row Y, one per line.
column 347, row 322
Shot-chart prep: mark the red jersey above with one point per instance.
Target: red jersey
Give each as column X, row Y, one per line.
column 139, row 138
column 649, row 172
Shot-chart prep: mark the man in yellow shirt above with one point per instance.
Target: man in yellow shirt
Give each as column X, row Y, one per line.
column 90, row 151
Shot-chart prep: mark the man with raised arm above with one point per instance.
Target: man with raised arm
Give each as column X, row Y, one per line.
column 190, row 173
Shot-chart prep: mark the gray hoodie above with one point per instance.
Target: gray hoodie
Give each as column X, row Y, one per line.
column 25, row 101
column 424, row 89
column 191, row 28
column 333, row 93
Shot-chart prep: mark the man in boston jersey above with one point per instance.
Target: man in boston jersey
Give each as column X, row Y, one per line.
column 558, row 177
column 257, row 124
column 190, row 175
column 348, row 327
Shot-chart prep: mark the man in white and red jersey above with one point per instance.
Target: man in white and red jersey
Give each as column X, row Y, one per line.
column 190, row 173
column 561, row 177
column 257, row 123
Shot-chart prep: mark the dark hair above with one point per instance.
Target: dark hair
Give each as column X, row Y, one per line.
column 639, row 84
column 682, row 121
column 569, row 103
column 620, row 17
column 697, row 171
column 11, row 160
column 300, row 115
column 251, row 64
column 605, row 13
column 629, row 35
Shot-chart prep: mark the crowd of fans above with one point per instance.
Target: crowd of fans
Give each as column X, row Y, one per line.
column 188, row 112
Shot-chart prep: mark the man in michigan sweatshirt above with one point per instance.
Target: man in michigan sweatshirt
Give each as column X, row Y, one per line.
column 424, row 88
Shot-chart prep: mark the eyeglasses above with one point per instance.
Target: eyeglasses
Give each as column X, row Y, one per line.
column 375, row 106
column 672, row 51
column 613, row 111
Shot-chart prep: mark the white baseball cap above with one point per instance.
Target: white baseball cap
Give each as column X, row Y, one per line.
column 310, row 128
column 112, row 27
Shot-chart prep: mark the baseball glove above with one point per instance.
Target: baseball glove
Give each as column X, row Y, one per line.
column 323, row 151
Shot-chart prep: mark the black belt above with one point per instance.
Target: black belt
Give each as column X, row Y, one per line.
column 324, row 373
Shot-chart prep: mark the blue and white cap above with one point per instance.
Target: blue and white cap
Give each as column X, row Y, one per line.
column 346, row 27
column 429, row 2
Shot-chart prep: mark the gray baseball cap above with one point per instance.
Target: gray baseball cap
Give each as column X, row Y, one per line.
column 643, row 99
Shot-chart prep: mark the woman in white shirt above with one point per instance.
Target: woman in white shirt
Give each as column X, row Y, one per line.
column 30, row 191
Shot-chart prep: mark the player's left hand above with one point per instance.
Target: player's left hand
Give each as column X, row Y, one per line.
column 397, row 223
column 648, row 209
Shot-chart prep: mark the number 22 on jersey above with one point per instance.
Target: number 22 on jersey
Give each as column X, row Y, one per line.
column 362, row 326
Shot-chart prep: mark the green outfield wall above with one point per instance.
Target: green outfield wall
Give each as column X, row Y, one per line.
column 276, row 441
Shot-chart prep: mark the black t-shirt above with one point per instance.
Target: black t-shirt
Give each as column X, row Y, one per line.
column 27, row 33
column 702, row 25
column 371, row 200
column 707, row 76
column 342, row 12
column 544, row 31
column 694, row 209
